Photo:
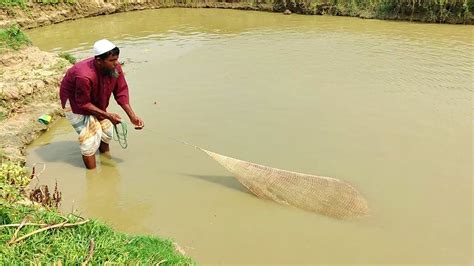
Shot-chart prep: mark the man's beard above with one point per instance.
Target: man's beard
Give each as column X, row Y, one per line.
column 111, row 72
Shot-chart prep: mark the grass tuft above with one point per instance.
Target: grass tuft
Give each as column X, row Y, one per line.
column 10, row 3
column 69, row 57
column 13, row 38
column 22, row 3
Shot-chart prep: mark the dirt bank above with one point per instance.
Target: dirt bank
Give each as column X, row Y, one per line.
column 36, row 15
column 29, row 82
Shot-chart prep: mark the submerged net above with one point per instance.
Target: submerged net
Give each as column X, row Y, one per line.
column 324, row 195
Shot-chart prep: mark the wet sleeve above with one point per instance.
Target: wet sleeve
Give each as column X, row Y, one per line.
column 121, row 89
column 83, row 91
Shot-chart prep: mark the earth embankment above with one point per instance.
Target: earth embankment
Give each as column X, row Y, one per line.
column 29, row 84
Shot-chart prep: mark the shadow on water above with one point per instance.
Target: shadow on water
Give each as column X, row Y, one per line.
column 227, row 181
column 106, row 197
column 66, row 151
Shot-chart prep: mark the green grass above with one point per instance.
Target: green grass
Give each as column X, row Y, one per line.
column 69, row 57
column 13, row 180
column 9, row 3
column 22, row 3
column 70, row 245
column 13, row 38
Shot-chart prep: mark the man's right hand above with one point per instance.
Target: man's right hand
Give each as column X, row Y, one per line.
column 114, row 118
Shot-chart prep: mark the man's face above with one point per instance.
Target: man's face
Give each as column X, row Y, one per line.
column 108, row 65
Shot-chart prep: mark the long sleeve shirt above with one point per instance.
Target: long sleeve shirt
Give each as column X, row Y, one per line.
column 84, row 83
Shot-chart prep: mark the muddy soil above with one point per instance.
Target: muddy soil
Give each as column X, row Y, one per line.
column 29, row 85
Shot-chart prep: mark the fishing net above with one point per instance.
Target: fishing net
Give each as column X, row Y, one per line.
column 324, row 195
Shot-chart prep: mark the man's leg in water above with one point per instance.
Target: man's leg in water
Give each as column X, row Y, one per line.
column 89, row 161
column 104, row 147
column 106, row 136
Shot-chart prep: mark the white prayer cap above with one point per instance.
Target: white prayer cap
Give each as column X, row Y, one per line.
column 102, row 46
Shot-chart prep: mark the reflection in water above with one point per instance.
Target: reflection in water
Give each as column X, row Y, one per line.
column 385, row 106
column 102, row 187
column 227, row 181
column 104, row 193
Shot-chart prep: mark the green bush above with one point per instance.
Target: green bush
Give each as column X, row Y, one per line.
column 427, row 10
column 13, row 38
column 13, row 179
column 69, row 57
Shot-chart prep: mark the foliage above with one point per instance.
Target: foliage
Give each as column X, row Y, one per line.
column 69, row 57
column 426, row 10
column 72, row 245
column 59, row 66
column 22, row 3
column 13, row 180
column 48, row 2
column 13, row 38
column 9, row 3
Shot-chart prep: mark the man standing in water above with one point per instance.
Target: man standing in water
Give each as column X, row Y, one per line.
column 85, row 93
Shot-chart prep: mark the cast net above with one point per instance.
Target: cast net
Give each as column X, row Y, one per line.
column 324, row 195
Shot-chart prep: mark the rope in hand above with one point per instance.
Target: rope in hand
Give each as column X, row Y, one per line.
column 120, row 134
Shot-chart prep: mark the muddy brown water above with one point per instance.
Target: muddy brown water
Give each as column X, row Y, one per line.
column 386, row 106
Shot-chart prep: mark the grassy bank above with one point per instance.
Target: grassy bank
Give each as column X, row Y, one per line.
column 13, row 38
column 23, row 3
column 38, row 233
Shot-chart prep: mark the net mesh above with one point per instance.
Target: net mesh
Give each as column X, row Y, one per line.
column 324, row 195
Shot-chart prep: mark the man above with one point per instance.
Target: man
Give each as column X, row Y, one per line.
column 85, row 93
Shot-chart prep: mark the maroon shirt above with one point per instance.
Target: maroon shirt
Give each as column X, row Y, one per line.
column 83, row 84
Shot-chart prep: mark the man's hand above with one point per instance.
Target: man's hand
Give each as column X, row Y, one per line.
column 137, row 122
column 114, row 118
column 133, row 118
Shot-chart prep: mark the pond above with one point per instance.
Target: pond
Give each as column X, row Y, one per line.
column 385, row 106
